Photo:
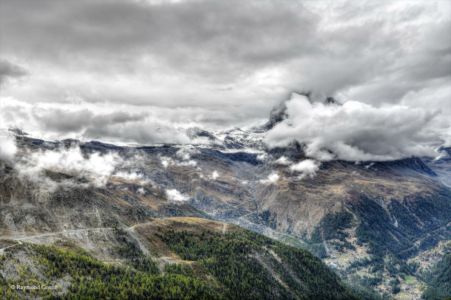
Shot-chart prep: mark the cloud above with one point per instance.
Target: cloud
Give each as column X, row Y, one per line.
column 166, row 161
column 10, row 70
column 149, row 132
column 58, row 120
column 356, row 131
column 176, row 196
column 216, row 34
column 213, row 64
column 284, row 161
column 307, row 167
column 96, row 168
column 271, row 179
column 125, row 124
column 131, row 176
column 185, row 152
column 214, row 175
column 8, row 146
column 183, row 158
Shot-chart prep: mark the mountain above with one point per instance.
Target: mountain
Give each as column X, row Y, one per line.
column 76, row 240
column 380, row 225
column 277, row 115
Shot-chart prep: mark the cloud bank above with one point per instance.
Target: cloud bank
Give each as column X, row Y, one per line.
column 142, row 71
column 95, row 168
column 122, row 124
column 356, row 131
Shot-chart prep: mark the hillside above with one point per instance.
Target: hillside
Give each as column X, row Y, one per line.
column 187, row 258
column 379, row 225
column 439, row 280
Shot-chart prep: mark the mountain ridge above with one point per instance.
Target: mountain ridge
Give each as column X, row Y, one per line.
column 339, row 212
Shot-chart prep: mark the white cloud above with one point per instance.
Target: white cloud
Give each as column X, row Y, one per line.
column 307, row 167
column 262, row 156
column 185, row 152
column 214, row 175
column 166, row 161
column 283, row 161
column 130, row 176
column 8, row 146
column 184, row 162
column 176, row 196
column 97, row 168
column 271, row 179
column 357, row 131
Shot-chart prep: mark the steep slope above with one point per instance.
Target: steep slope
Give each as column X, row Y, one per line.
column 439, row 280
column 442, row 166
column 188, row 258
column 362, row 219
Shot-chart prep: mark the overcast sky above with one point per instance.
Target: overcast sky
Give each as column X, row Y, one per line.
column 143, row 71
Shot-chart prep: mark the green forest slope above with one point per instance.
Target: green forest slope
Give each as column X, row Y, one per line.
column 202, row 260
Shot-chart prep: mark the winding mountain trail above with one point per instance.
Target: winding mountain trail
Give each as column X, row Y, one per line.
column 69, row 232
column 65, row 232
column 48, row 234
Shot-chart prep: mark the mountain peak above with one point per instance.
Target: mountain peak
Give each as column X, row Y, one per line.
column 331, row 101
column 278, row 114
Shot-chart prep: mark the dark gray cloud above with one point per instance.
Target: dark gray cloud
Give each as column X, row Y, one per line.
column 226, row 42
column 148, row 132
column 10, row 70
column 59, row 120
column 196, row 36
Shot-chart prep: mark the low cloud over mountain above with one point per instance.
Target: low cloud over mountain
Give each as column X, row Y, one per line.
column 7, row 146
column 357, row 131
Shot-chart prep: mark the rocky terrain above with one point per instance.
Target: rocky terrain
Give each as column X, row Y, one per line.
column 381, row 226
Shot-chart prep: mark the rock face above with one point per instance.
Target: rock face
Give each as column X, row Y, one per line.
column 373, row 222
column 277, row 115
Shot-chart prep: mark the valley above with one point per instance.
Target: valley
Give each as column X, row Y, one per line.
column 381, row 226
